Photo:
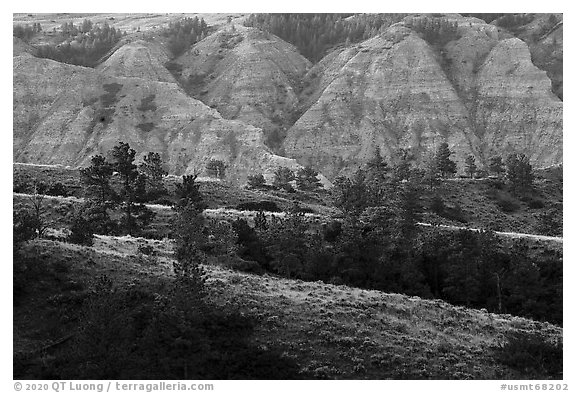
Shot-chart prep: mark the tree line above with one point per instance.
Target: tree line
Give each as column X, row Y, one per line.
column 377, row 244
column 81, row 44
column 315, row 34
column 184, row 33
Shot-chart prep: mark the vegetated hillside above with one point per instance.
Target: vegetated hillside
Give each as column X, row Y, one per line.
column 321, row 330
column 487, row 204
column 131, row 22
column 426, row 80
column 316, row 34
column 245, row 74
column 65, row 114
column 478, row 203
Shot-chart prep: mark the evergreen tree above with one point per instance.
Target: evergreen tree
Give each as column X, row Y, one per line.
column 189, row 192
column 153, row 169
column 216, row 168
column 351, row 195
column 445, row 165
column 135, row 216
column 282, row 178
column 190, row 239
column 431, row 176
column 519, row 173
column 471, row 165
column 24, row 224
column 496, row 166
column 307, row 179
column 96, row 179
column 256, row 181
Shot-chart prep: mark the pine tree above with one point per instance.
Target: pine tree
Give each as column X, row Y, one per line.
column 135, row 216
column 153, row 169
column 216, row 168
column 519, row 173
column 256, row 181
column 282, row 178
column 307, row 179
column 351, row 195
column 471, row 165
column 496, row 166
column 190, row 239
column 445, row 165
column 189, row 192
column 96, row 179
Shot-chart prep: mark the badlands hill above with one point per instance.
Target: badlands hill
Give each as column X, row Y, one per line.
column 246, row 74
column 241, row 94
column 476, row 90
column 64, row 114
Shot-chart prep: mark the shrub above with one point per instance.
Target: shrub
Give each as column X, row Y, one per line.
column 506, row 202
column 146, row 249
column 454, row 213
column 81, row 231
column 268, row 206
column 437, row 205
column 282, row 178
column 536, row 204
column 57, row 189
column 531, row 352
column 23, row 224
column 256, row 181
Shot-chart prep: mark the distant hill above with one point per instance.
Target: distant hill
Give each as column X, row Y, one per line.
column 249, row 98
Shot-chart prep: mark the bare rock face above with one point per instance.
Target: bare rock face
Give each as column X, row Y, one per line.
column 247, row 75
column 140, row 59
column 516, row 109
column 544, row 35
column 65, row 114
column 397, row 90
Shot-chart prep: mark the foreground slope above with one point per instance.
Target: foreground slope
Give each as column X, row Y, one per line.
column 330, row 331
column 408, row 88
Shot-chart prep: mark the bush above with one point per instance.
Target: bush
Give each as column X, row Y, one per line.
column 506, row 202
column 536, row 204
column 81, row 231
column 58, row 189
column 268, row 206
column 531, row 352
column 256, row 181
column 146, row 249
column 454, row 213
column 437, row 205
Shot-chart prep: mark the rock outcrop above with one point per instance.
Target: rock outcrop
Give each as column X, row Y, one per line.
column 65, row 114
column 401, row 90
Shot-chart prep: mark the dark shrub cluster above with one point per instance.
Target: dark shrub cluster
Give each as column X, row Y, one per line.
column 268, row 206
column 532, row 352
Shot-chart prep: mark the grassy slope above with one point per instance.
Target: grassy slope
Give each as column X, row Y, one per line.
column 481, row 211
column 331, row 331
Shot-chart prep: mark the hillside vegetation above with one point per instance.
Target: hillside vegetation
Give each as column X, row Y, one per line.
column 309, row 330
